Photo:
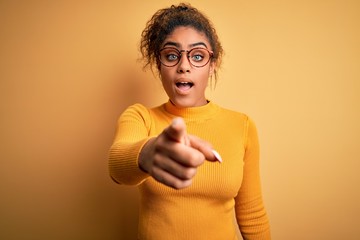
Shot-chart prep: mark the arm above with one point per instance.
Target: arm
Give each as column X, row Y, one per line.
column 171, row 158
column 250, row 212
column 131, row 135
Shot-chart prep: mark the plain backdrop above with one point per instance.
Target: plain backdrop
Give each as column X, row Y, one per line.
column 69, row 68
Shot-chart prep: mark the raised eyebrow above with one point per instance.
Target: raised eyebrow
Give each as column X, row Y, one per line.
column 198, row 44
column 177, row 45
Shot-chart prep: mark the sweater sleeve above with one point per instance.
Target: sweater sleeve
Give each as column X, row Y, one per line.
column 250, row 212
column 131, row 135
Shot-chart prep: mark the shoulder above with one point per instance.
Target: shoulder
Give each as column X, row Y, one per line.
column 232, row 114
column 239, row 119
column 247, row 126
column 140, row 112
column 136, row 113
column 135, row 110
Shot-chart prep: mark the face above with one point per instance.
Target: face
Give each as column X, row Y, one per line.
column 184, row 83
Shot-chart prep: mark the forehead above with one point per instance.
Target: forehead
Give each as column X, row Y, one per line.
column 184, row 37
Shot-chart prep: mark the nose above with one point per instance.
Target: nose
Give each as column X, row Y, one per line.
column 184, row 64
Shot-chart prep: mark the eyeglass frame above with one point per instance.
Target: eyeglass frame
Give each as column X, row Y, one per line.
column 211, row 55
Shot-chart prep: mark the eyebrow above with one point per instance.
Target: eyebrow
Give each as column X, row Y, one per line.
column 175, row 44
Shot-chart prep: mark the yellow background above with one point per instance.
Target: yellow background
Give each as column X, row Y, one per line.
column 69, row 68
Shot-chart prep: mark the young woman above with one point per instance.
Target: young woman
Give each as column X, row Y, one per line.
column 195, row 163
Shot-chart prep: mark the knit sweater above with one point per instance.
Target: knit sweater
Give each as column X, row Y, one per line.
column 206, row 209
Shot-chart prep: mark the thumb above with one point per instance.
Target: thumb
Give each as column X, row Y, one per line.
column 177, row 131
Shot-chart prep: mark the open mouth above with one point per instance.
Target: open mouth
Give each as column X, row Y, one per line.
column 184, row 85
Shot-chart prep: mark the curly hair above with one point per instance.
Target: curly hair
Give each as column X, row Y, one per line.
column 164, row 22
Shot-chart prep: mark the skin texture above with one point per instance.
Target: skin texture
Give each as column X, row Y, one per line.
column 173, row 157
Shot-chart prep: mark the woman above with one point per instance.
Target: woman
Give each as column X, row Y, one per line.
column 189, row 190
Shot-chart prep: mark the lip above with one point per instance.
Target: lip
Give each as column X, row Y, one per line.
column 183, row 86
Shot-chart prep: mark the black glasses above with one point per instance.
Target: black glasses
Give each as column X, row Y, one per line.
column 198, row 57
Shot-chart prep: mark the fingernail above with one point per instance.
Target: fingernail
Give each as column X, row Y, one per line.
column 217, row 155
column 175, row 121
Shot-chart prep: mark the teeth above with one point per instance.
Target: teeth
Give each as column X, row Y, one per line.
column 184, row 83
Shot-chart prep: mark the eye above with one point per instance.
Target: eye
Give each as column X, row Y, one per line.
column 197, row 57
column 172, row 57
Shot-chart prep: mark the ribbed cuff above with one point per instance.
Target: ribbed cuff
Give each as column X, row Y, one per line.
column 123, row 163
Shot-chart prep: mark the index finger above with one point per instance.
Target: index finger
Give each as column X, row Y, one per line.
column 176, row 131
column 205, row 148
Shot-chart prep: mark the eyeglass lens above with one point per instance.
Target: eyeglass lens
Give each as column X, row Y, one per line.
column 198, row 57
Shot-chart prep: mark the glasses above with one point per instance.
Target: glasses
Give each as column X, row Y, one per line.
column 198, row 57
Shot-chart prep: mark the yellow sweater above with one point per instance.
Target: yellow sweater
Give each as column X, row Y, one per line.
column 205, row 210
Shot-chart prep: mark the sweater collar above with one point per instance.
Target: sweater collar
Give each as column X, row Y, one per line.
column 192, row 113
